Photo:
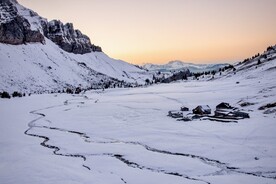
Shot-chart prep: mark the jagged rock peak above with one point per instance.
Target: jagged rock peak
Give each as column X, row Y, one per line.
column 14, row 28
column 19, row 25
column 68, row 38
column 8, row 1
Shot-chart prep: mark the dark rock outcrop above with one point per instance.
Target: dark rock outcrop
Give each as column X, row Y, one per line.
column 68, row 38
column 15, row 29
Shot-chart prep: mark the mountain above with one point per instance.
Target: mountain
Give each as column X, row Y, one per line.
column 249, row 65
column 180, row 65
column 37, row 55
column 126, row 136
column 212, row 72
column 249, row 68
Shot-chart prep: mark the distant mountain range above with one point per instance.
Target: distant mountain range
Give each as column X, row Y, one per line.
column 37, row 55
column 180, row 65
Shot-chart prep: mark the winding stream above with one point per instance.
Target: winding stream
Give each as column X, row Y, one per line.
column 224, row 167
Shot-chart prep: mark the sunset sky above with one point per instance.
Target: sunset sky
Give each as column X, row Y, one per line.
column 158, row 31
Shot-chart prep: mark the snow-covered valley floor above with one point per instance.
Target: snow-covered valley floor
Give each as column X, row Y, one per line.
column 125, row 136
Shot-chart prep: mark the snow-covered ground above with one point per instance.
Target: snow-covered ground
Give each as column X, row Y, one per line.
column 180, row 65
column 125, row 136
column 37, row 67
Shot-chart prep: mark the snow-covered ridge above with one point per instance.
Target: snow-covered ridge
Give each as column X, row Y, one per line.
column 19, row 25
column 180, row 65
column 38, row 67
column 40, row 56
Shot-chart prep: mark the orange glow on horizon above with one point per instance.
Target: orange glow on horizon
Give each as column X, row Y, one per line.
column 159, row 31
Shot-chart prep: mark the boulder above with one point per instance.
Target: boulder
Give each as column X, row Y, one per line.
column 15, row 29
column 18, row 31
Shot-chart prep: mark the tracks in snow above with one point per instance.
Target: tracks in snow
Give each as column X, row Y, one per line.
column 224, row 167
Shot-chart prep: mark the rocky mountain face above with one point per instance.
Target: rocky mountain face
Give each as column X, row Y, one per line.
column 16, row 29
column 40, row 56
column 68, row 38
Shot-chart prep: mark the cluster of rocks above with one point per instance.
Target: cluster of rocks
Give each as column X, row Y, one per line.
column 224, row 112
column 15, row 29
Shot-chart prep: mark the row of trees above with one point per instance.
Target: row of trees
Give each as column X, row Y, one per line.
column 77, row 90
column 270, row 48
column 264, row 56
column 213, row 72
column 5, row 94
column 183, row 75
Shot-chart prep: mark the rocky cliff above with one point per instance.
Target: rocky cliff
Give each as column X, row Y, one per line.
column 16, row 28
column 68, row 38
column 41, row 56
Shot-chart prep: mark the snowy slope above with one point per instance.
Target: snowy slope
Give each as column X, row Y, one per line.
column 249, row 68
column 180, row 65
column 40, row 67
column 125, row 136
